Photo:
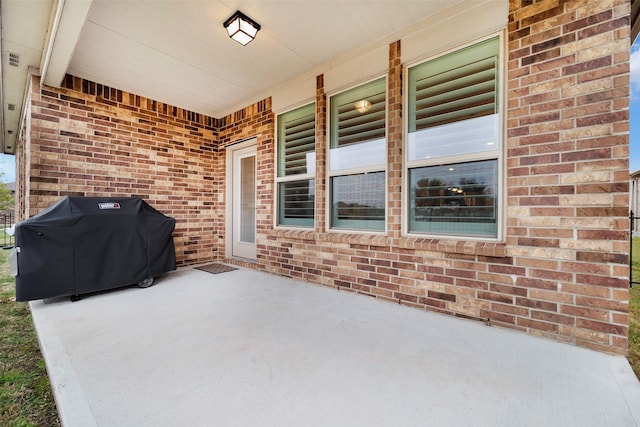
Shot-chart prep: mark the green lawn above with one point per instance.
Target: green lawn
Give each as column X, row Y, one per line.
column 25, row 391
column 634, row 310
column 5, row 239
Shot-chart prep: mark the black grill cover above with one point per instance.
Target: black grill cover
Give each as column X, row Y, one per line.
column 88, row 244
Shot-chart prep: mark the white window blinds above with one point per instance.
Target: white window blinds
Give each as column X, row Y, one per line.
column 296, row 167
column 458, row 86
column 453, row 103
column 297, row 140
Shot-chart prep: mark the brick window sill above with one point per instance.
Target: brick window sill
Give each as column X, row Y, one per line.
column 350, row 238
column 357, row 239
column 282, row 233
column 467, row 247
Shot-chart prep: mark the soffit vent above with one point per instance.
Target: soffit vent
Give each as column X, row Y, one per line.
column 11, row 107
column 14, row 59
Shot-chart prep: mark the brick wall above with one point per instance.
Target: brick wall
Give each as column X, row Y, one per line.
column 87, row 139
column 567, row 167
column 255, row 121
column 448, row 276
column 561, row 271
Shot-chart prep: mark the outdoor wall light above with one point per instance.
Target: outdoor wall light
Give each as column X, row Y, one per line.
column 362, row 106
column 241, row 28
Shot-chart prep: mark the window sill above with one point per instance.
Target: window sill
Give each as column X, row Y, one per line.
column 467, row 247
column 293, row 234
column 350, row 238
column 357, row 239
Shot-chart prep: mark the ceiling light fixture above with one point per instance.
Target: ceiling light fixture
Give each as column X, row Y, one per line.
column 241, row 28
column 362, row 106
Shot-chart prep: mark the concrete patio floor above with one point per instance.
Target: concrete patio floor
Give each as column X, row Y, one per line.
column 246, row 348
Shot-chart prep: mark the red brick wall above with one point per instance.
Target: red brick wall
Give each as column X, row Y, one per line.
column 447, row 276
column 254, row 121
column 91, row 140
column 567, row 166
column 561, row 271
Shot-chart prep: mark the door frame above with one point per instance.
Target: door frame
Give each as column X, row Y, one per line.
column 229, row 199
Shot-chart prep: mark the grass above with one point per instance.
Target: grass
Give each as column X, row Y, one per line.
column 634, row 310
column 25, row 392
column 5, row 239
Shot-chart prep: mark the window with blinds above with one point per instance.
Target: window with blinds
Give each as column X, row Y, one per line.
column 453, row 103
column 296, row 141
column 357, row 157
column 296, row 167
column 453, row 142
column 358, row 127
column 459, row 94
column 359, row 115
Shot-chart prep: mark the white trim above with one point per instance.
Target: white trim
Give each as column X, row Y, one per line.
column 355, row 85
column 451, row 49
column 65, row 36
column 53, row 30
column 230, row 150
column 364, row 68
column 294, row 96
column 451, row 28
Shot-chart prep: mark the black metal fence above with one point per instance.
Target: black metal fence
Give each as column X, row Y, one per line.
column 633, row 221
column 6, row 232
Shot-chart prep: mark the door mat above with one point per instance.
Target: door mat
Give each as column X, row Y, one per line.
column 216, row 268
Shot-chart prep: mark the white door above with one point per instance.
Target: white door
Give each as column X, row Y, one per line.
column 243, row 202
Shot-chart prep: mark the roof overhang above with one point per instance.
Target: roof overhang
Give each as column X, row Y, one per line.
column 178, row 52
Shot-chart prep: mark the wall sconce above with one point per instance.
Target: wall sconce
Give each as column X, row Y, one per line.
column 241, row 28
column 362, row 106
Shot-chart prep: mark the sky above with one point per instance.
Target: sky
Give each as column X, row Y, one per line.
column 7, row 162
column 8, row 168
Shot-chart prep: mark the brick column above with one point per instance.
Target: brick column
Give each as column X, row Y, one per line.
column 394, row 141
column 567, row 166
column 321, row 156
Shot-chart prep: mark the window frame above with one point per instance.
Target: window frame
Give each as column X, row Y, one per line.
column 362, row 170
column 498, row 154
column 296, row 177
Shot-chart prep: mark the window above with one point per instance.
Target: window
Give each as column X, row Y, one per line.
column 453, row 146
column 296, row 166
column 357, row 157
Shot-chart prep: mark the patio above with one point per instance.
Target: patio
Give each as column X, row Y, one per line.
column 248, row 348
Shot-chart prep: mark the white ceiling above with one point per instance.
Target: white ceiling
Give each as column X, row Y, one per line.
column 177, row 51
